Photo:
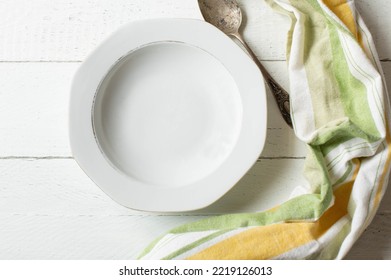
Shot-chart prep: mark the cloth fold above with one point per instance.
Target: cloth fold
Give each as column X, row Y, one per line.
column 340, row 109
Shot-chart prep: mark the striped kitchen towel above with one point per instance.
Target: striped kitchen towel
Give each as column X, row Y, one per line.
column 340, row 108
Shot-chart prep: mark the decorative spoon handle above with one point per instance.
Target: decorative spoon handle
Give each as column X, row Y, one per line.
column 280, row 95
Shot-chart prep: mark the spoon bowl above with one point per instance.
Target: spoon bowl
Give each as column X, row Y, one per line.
column 226, row 15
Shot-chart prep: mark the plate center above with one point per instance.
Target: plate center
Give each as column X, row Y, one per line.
column 167, row 114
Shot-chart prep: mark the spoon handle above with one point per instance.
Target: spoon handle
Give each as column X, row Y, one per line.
column 280, row 95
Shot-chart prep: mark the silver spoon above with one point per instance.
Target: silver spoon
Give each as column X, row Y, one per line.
column 226, row 15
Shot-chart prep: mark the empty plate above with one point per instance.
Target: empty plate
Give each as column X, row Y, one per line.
column 167, row 115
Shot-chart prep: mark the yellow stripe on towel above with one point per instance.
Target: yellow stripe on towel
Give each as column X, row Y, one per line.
column 279, row 238
column 343, row 11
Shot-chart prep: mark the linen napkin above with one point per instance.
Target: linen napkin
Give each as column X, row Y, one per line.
column 340, row 109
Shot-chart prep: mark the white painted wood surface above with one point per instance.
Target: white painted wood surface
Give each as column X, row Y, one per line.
column 49, row 209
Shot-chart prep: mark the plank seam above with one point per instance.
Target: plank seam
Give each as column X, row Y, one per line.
column 35, row 158
column 384, row 213
column 278, row 158
column 70, row 157
column 80, row 61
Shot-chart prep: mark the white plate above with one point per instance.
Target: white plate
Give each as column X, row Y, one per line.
column 167, row 115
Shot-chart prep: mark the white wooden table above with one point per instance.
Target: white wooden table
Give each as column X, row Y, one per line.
column 49, row 209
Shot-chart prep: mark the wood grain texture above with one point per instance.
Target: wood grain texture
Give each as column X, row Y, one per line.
column 81, row 237
column 49, row 209
column 66, row 30
column 124, row 237
column 375, row 242
column 59, row 186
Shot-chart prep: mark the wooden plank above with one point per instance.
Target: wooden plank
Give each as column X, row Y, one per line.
column 59, row 186
column 81, row 237
column 385, row 205
column 50, row 209
column 124, row 237
column 375, row 243
column 66, row 30
column 34, row 107
column 375, row 14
